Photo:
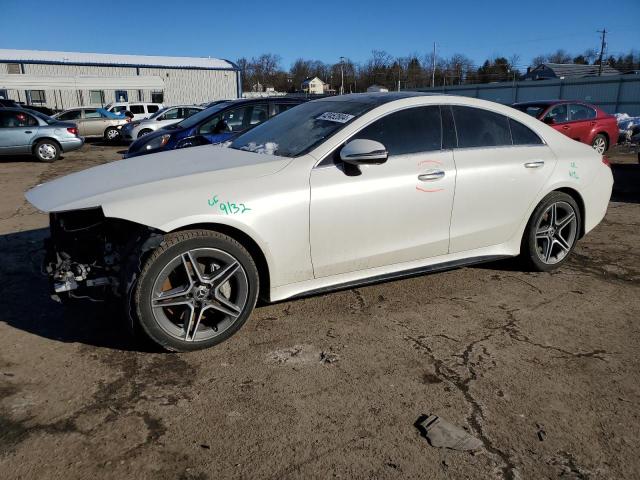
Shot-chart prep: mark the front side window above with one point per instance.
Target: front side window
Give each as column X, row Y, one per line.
column 413, row 130
column 118, row 109
column 283, row 107
column 12, row 119
column 171, row 114
column 481, row 128
column 558, row 114
column 36, row 97
column 259, row 114
column 297, row 131
column 579, row 112
column 72, row 115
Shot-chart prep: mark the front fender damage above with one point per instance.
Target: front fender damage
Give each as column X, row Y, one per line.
column 91, row 256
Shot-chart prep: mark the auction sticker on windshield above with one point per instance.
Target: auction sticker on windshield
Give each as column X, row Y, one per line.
column 335, row 117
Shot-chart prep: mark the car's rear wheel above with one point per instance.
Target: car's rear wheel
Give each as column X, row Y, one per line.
column 47, row 151
column 600, row 143
column 552, row 232
column 196, row 290
column 143, row 132
column 111, row 134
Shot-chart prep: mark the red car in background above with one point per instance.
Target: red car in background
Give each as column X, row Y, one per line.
column 578, row 120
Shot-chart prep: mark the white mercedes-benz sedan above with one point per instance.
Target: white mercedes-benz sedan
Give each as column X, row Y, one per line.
column 333, row 193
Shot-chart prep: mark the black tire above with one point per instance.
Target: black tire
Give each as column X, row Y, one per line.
column 47, row 150
column 111, row 135
column 600, row 142
column 534, row 246
column 159, row 326
column 144, row 131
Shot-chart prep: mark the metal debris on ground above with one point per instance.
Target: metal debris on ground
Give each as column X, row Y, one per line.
column 329, row 357
column 442, row 434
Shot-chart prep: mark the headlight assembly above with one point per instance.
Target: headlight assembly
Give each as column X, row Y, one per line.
column 157, row 142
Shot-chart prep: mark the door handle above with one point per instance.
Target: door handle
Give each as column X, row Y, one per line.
column 535, row 164
column 431, row 175
column 28, row 131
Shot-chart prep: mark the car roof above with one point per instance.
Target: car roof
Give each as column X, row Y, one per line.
column 546, row 102
column 376, row 98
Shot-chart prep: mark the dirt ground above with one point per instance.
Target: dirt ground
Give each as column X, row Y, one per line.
column 542, row 368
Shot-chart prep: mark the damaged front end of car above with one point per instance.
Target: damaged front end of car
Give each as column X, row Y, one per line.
column 94, row 257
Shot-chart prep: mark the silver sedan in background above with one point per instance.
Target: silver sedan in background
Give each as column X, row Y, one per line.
column 158, row 120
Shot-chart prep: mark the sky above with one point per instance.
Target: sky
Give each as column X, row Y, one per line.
column 318, row 30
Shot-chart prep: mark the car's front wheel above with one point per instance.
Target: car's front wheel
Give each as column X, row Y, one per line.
column 195, row 290
column 111, row 134
column 552, row 232
column 600, row 143
column 144, row 131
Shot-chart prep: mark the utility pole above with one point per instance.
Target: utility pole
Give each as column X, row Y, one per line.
column 602, row 45
column 341, row 75
column 433, row 67
column 399, row 76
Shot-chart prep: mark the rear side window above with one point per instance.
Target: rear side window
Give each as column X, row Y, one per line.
column 579, row 112
column 408, row 131
column 13, row 119
column 522, row 135
column 481, row 128
column 152, row 108
column 136, row 109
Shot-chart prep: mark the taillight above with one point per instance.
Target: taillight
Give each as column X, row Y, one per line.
column 72, row 130
column 606, row 161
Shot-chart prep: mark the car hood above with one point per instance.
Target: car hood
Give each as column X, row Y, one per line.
column 151, row 179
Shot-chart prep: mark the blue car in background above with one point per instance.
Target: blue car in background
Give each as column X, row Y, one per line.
column 216, row 124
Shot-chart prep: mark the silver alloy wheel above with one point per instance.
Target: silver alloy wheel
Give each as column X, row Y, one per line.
column 112, row 134
column 47, row 151
column 600, row 145
column 199, row 294
column 556, row 232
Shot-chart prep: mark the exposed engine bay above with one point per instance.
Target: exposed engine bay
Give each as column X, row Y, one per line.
column 94, row 257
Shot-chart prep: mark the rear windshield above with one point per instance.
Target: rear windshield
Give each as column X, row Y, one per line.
column 533, row 110
column 44, row 117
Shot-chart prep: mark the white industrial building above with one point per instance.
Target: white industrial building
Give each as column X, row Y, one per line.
column 62, row 80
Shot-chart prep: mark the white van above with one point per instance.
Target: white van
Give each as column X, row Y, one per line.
column 139, row 110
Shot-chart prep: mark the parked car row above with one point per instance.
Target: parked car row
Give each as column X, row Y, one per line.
column 150, row 127
column 219, row 123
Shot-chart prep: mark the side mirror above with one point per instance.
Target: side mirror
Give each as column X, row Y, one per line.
column 548, row 120
column 364, row 152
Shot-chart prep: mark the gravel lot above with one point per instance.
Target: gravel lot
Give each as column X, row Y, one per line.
column 543, row 368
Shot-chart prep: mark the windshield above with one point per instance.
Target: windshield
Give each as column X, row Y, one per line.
column 298, row 130
column 193, row 120
column 533, row 110
column 159, row 112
